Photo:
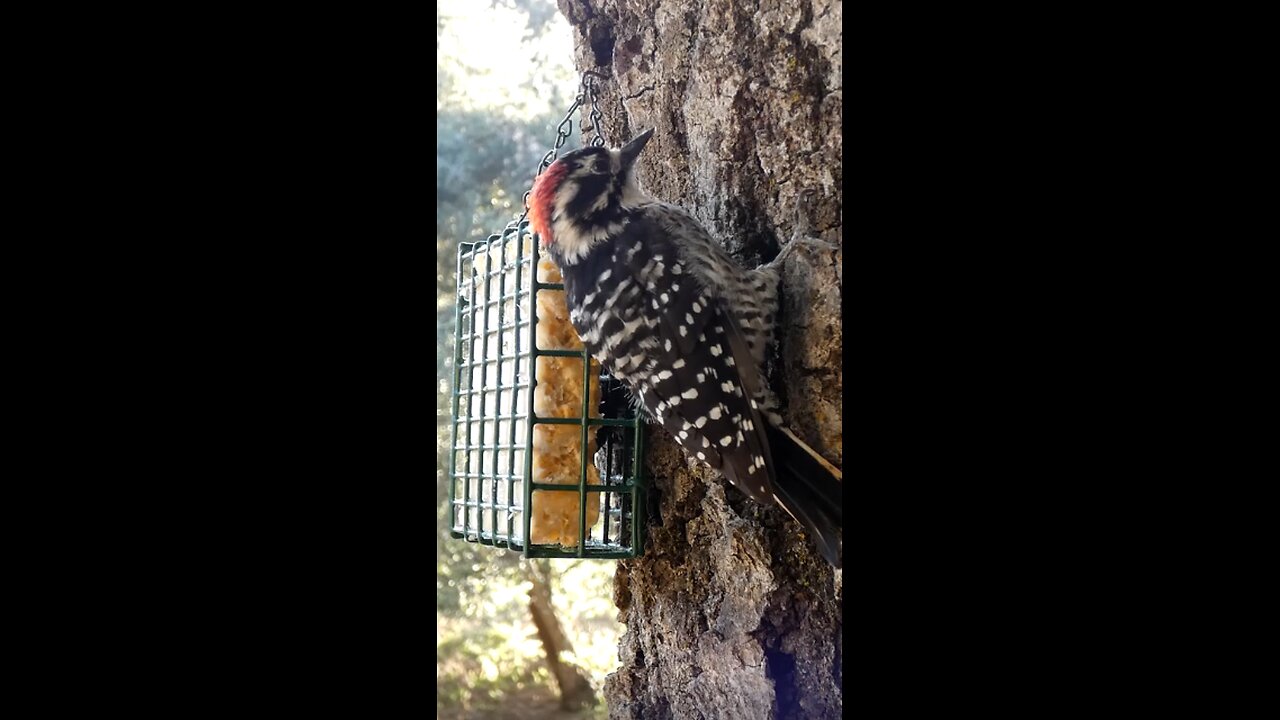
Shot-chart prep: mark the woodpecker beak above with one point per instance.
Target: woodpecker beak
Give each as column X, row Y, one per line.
column 633, row 148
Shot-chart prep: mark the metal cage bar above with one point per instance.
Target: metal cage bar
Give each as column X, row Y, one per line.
column 457, row 386
column 497, row 399
column 582, row 455
column 515, row 389
column 482, row 338
column 534, row 286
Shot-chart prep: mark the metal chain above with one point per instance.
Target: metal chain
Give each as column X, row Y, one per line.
column 586, row 92
column 596, row 115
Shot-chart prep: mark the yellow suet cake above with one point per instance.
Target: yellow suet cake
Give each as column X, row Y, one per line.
column 557, row 449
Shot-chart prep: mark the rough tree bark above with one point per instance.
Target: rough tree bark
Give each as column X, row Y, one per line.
column 731, row 613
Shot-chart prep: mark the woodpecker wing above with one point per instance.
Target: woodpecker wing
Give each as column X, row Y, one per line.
column 652, row 324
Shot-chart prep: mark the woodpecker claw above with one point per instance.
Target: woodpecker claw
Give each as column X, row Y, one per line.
column 804, row 208
column 810, row 242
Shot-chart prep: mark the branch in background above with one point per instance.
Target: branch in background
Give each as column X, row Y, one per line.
column 575, row 687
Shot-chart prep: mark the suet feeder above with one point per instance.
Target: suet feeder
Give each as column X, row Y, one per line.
column 546, row 451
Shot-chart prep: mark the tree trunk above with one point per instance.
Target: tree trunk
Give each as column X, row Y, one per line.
column 575, row 687
column 731, row 613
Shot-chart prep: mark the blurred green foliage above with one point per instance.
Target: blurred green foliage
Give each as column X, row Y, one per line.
column 487, row 649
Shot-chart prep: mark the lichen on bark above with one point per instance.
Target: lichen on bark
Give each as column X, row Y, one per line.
column 731, row 613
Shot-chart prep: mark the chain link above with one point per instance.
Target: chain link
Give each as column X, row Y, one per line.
column 596, row 115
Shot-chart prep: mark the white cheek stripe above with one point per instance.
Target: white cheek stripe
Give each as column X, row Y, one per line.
column 600, row 203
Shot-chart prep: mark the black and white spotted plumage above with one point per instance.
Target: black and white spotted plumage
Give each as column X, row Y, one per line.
column 667, row 311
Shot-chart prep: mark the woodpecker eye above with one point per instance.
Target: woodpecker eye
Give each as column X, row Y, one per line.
column 595, row 164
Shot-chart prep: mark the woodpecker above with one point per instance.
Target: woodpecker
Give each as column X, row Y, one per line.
column 667, row 311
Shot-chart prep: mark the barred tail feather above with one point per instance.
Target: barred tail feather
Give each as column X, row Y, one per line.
column 810, row 489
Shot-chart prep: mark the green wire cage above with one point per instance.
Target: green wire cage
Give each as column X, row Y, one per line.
column 496, row 421
column 529, row 406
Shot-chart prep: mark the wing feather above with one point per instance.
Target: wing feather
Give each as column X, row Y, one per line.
column 681, row 351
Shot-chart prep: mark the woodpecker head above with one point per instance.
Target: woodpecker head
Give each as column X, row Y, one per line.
column 582, row 198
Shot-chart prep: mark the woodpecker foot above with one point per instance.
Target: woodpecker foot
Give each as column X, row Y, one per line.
column 801, row 233
column 813, row 244
column 805, row 202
